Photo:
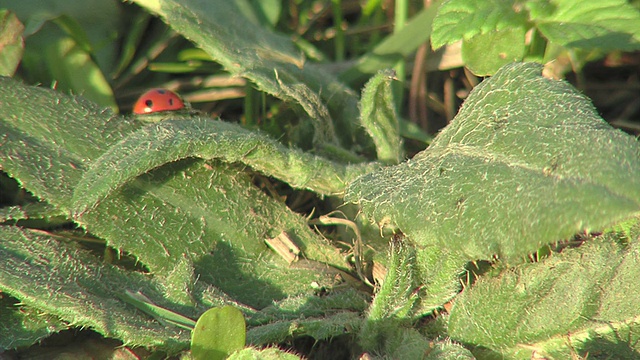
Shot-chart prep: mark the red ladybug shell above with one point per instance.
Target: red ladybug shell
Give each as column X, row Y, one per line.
column 156, row 100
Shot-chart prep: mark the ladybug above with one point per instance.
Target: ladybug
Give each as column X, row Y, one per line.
column 156, row 100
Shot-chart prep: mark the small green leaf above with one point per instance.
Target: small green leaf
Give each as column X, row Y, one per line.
column 379, row 117
column 606, row 24
column 11, row 42
column 218, row 333
column 527, row 161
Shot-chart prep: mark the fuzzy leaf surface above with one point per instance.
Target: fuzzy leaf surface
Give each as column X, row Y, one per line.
column 379, row 117
column 65, row 281
column 582, row 300
column 202, row 219
column 526, row 161
column 171, row 140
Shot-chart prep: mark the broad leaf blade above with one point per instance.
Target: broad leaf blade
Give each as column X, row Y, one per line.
column 205, row 219
column 462, row 19
column 37, row 270
column 570, row 302
column 171, row 140
column 527, row 161
column 606, row 25
column 49, row 138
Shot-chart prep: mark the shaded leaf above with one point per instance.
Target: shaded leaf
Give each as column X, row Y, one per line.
column 22, row 325
column 526, row 161
column 485, row 54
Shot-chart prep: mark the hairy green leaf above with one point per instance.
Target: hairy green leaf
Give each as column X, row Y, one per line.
column 379, row 117
column 22, row 325
column 319, row 328
column 204, row 219
column 264, row 354
column 526, row 161
column 171, row 140
column 63, row 280
column 576, row 301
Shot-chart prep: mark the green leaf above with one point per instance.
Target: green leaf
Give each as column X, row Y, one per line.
column 526, row 161
column 416, row 283
column 486, row 53
column 264, row 354
column 270, row 60
column 324, row 328
column 62, row 280
column 185, row 220
column 218, row 333
column 71, row 44
column 607, row 25
column 11, row 42
column 171, row 140
column 50, row 138
column 463, row 19
column 21, row 325
column 379, row 117
column 580, row 301
column 447, row 350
